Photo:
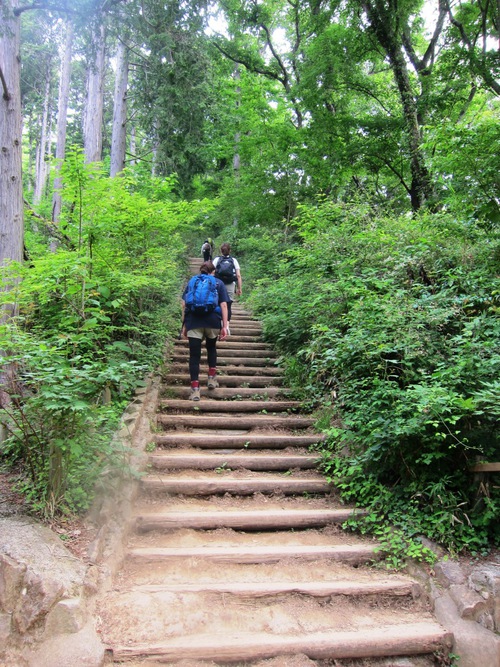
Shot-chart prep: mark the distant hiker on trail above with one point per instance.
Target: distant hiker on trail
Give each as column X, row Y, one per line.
column 204, row 316
column 227, row 269
column 207, row 249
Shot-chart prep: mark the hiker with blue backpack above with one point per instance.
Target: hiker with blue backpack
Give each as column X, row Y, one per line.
column 204, row 317
column 227, row 269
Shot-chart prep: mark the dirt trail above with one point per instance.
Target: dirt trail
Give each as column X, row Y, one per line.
column 236, row 553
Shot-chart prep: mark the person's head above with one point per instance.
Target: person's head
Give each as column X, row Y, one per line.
column 225, row 249
column 207, row 268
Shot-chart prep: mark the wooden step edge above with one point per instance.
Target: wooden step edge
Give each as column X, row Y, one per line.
column 356, row 554
column 249, row 520
column 233, row 486
column 246, row 441
column 270, row 588
column 227, row 394
column 404, row 639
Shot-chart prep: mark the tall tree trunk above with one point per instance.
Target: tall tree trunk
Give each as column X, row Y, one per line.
column 421, row 189
column 11, row 194
column 41, row 167
column 385, row 25
column 133, row 144
column 92, row 124
column 156, row 146
column 62, row 115
column 119, row 134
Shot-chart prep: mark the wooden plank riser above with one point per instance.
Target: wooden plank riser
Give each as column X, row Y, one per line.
column 409, row 640
column 227, row 393
column 246, row 441
column 247, row 521
column 351, row 555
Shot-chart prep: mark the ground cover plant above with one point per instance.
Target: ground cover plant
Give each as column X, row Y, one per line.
column 393, row 321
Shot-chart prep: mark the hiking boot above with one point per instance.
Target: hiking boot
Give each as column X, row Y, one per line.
column 212, row 382
column 195, row 394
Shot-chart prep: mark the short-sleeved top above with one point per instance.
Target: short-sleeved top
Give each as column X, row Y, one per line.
column 211, row 320
column 236, row 264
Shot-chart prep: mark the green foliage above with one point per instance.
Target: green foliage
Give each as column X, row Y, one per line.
column 93, row 318
column 395, row 323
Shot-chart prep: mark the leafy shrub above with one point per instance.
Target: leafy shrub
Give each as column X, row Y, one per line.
column 93, row 316
column 397, row 320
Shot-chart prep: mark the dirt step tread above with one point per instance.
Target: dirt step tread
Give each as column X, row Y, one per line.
column 227, row 393
column 229, row 406
column 237, row 369
column 236, row 380
column 311, row 588
column 237, row 422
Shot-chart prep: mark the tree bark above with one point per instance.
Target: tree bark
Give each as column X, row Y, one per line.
column 119, row 133
column 133, row 144
column 62, row 115
column 92, row 125
column 11, row 195
column 385, row 28
column 42, row 164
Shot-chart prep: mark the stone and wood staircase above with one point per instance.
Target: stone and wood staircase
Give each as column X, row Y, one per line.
column 236, row 554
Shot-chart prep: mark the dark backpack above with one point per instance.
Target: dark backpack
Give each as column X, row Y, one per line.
column 201, row 295
column 225, row 270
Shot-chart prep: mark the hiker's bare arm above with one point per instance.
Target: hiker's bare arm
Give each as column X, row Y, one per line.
column 238, row 279
column 183, row 328
column 223, row 331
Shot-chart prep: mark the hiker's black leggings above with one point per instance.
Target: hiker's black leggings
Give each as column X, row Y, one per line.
column 195, row 355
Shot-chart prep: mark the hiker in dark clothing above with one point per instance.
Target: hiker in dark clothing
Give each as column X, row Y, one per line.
column 207, row 250
column 210, row 326
column 227, row 268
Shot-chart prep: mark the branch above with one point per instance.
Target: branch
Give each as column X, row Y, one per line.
column 285, row 80
column 43, row 5
column 251, row 68
column 476, row 65
column 421, row 64
column 6, row 94
column 388, row 164
column 51, row 227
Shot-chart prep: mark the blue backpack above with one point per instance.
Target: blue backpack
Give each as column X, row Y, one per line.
column 201, row 295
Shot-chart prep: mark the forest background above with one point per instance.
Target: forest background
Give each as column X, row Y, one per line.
column 348, row 150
